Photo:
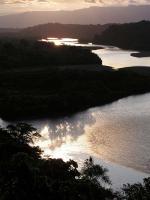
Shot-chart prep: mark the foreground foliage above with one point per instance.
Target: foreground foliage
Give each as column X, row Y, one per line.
column 24, row 174
column 137, row 191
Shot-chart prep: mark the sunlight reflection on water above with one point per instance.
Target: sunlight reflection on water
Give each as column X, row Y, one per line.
column 118, row 58
column 110, row 55
column 115, row 135
column 118, row 132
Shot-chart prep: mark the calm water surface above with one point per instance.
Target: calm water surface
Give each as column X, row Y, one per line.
column 116, row 135
column 111, row 56
column 118, row 58
column 118, row 132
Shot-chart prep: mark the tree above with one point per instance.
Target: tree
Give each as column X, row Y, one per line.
column 94, row 173
column 23, row 132
column 136, row 191
column 24, row 174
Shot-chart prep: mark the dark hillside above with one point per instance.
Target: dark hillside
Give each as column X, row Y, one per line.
column 128, row 36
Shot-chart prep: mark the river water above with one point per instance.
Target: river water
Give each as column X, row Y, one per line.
column 115, row 135
column 118, row 58
column 110, row 55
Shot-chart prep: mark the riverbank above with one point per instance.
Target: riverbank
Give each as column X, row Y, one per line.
column 55, row 134
column 55, row 177
column 133, row 36
column 141, row 70
column 141, row 54
column 42, row 80
column 121, row 175
column 119, row 58
column 53, row 92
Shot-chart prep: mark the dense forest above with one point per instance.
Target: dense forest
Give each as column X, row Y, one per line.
column 38, row 79
column 133, row 36
column 24, row 174
column 31, row 53
column 82, row 32
column 128, row 36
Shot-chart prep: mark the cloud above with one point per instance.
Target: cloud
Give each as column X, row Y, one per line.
column 118, row 2
column 12, row 6
column 99, row 2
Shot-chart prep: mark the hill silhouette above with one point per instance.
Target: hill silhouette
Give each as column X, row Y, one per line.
column 82, row 32
column 128, row 36
column 92, row 15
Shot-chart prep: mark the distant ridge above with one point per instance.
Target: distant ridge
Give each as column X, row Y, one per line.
column 133, row 36
column 92, row 15
column 82, row 32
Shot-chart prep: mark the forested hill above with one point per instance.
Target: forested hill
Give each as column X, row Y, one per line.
column 84, row 32
column 64, row 30
column 128, row 36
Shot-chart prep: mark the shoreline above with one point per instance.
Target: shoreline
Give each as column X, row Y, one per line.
column 141, row 54
column 58, row 115
column 94, row 47
column 97, row 99
column 121, row 174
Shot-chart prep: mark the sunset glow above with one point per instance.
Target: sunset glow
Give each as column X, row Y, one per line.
column 61, row 41
column 62, row 146
column 12, row 6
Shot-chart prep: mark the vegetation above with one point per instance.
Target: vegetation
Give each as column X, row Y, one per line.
column 136, row 191
column 133, row 36
column 128, row 36
column 32, row 86
column 34, row 83
column 24, row 174
column 81, row 32
column 30, row 53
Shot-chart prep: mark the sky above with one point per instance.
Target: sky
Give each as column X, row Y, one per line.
column 13, row 6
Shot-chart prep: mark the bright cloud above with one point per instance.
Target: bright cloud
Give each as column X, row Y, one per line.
column 102, row 2
column 7, row 6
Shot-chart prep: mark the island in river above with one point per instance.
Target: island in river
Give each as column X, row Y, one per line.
column 39, row 79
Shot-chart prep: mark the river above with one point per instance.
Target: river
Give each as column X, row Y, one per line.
column 118, row 58
column 110, row 55
column 116, row 135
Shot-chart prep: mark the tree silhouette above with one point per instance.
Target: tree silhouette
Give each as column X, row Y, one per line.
column 23, row 132
column 94, row 173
